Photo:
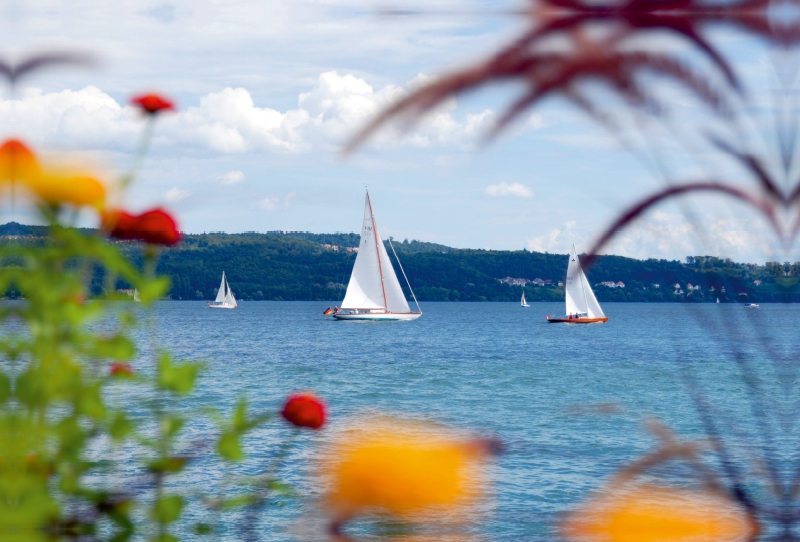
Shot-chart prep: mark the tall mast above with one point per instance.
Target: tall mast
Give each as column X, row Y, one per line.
column 378, row 250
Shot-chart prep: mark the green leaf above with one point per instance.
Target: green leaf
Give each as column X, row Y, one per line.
column 5, row 388
column 90, row 402
column 171, row 425
column 120, row 426
column 154, row 289
column 168, row 464
column 117, row 347
column 229, row 447
column 203, row 528
column 240, row 416
column 168, row 508
column 279, row 488
column 176, row 378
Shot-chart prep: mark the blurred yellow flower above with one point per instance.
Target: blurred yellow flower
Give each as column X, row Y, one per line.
column 402, row 469
column 78, row 190
column 51, row 185
column 659, row 514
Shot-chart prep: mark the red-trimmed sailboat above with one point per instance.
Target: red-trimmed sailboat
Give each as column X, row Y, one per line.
column 374, row 293
column 582, row 305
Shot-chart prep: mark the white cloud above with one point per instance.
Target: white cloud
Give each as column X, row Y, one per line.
column 229, row 121
column 273, row 203
column 504, row 189
column 232, row 177
column 556, row 240
column 670, row 235
column 175, row 195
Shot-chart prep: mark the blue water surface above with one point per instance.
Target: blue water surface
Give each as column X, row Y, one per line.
column 568, row 401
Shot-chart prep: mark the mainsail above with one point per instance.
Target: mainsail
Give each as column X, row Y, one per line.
column 373, row 284
column 221, row 292
column 579, row 295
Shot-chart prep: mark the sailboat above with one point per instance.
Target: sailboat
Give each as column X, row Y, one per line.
column 136, row 295
column 582, row 305
column 225, row 299
column 523, row 302
column 374, row 293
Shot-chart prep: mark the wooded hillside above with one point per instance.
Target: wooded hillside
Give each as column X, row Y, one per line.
column 299, row 266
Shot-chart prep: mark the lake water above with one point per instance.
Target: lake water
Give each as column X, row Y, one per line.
column 568, row 401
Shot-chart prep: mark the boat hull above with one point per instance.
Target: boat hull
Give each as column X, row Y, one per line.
column 379, row 317
column 221, row 306
column 577, row 320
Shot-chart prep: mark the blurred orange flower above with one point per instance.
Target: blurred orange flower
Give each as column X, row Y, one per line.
column 155, row 227
column 17, row 162
column 120, row 368
column 402, row 469
column 659, row 514
column 53, row 185
column 304, row 410
column 152, row 103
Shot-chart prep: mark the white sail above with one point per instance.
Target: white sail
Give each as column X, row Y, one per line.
column 229, row 299
column 373, row 283
column 593, row 306
column 522, row 301
column 575, row 297
column 579, row 295
column 221, row 292
column 395, row 298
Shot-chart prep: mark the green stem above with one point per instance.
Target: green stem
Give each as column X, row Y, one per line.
column 141, row 152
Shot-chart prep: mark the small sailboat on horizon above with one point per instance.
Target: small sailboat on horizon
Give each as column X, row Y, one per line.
column 582, row 305
column 225, row 299
column 523, row 302
column 374, row 293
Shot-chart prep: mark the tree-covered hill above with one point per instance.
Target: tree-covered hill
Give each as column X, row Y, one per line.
column 306, row 266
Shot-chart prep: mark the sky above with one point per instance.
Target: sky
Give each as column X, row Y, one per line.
column 269, row 91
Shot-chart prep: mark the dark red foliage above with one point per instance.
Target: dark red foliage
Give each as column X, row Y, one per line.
column 155, row 227
column 610, row 61
column 304, row 410
column 153, row 103
column 547, row 74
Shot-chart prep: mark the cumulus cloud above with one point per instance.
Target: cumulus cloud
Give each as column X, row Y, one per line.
column 175, row 195
column 229, row 121
column 273, row 203
column 232, row 177
column 556, row 240
column 505, row 189
column 668, row 235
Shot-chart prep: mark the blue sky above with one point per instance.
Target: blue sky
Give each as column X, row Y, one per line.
column 269, row 90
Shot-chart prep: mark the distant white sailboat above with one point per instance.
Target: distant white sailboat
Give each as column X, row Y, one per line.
column 225, row 299
column 523, row 302
column 136, row 295
column 582, row 305
column 717, row 300
column 374, row 293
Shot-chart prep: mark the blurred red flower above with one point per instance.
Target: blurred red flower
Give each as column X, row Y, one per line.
column 156, row 227
column 304, row 410
column 120, row 368
column 152, row 103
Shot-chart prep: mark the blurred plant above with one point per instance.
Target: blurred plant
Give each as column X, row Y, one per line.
column 412, row 472
column 63, row 437
column 599, row 56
